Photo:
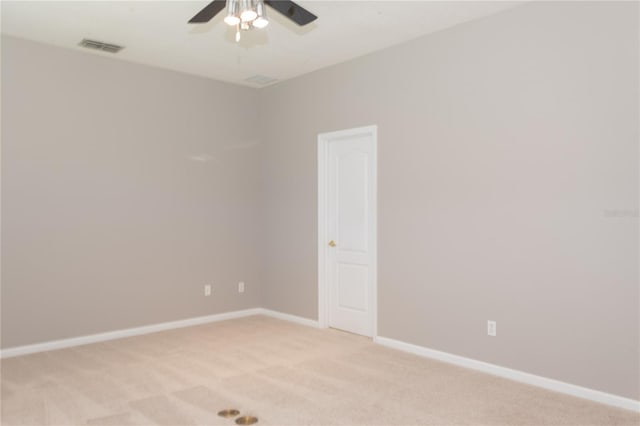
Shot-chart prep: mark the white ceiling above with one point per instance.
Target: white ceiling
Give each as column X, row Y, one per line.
column 157, row 33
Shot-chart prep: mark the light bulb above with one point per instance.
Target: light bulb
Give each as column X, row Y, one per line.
column 237, row 33
column 248, row 15
column 260, row 22
column 232, row 20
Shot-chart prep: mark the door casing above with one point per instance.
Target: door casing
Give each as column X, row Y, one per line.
column 323, row 159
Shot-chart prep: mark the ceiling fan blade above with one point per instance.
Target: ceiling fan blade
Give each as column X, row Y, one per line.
column 209, row 11
column 296, row 13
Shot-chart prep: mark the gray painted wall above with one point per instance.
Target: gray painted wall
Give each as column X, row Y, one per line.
column 508, row 186
column 106, row 222
column 507, row 146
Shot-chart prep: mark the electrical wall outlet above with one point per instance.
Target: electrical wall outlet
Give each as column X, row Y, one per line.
column 491, row 328
column 207, row 290
column 241, row 287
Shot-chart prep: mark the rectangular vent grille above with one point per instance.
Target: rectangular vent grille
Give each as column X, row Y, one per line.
column 261, row 80
column 98, row 45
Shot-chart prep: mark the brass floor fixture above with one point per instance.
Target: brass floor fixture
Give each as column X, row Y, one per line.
column 228, row 413
column 242, row 420
column 246, row 420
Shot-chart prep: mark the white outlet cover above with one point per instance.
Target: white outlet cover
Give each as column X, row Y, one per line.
column 207, row 290
column 491, row 328
column 241, row 287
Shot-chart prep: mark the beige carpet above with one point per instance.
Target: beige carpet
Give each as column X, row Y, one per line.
column 283, row 373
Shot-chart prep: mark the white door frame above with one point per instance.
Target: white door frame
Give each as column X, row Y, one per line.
column 323, row 252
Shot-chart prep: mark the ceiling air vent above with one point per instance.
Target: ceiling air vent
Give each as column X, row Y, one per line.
column 261, row 80
column 99, row 45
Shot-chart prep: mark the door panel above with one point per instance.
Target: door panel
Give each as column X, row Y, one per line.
column 351, row 287
column 351, row 209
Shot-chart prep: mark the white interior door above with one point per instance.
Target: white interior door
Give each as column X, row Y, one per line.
column 350, row 230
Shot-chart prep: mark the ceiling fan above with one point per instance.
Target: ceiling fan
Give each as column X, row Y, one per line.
column 248, row 14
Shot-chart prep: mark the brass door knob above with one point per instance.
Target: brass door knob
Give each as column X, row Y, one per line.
column 332, row 243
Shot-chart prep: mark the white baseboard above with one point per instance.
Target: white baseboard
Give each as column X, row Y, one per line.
column 118, row 334
column 153, row 328
column 518, row 376
column 288, row 317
